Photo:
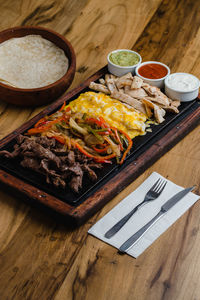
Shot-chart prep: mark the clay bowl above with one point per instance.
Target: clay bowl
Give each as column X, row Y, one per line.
column 46, row 94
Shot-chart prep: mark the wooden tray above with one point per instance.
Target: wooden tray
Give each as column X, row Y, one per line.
column 117, row 180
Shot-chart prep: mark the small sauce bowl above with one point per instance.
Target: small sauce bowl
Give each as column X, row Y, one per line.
column 153, row 73
column 182, row 86
column 118, row 70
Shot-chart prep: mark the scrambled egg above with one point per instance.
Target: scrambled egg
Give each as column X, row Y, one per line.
column 113, row 111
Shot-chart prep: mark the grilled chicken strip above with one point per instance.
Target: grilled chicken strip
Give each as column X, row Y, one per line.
column 125, row 80
column 136, row 93
column 136, row 83
column 158, row 100
column 158, row 112
column 136, row 104
column 102, row 81
column 99, row 87
column 174, row 103
column 110, row 82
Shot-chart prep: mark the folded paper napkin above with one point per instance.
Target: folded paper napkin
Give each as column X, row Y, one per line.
column 143, row 215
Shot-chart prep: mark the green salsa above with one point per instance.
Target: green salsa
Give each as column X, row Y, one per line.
column 124, row 58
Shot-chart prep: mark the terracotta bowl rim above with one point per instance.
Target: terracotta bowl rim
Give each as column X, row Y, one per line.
column 72, row 60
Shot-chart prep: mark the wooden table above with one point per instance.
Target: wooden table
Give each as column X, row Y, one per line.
column 43, row 259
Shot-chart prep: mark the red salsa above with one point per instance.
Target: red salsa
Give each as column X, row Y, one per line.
column 153, row 71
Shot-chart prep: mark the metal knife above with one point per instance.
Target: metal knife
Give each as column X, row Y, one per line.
column 164, row 209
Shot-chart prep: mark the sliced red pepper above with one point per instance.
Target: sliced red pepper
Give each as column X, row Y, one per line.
column 104, row 161
column 60, row 139
column 103, row 132
column 101, row 150
column 97, row 158
column 45, row 120
column 36, row 130
column 118, row 138
column 41, row 122
column 128, row 148
column 68, row 109
column 63, row 106
column 42, row 128
column 101, row 123
column 65, row 119
column 95, row 121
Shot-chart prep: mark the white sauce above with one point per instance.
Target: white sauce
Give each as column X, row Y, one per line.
column 183, row 82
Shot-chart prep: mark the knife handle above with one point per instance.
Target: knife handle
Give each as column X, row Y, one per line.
column 121, row 222
column 136, row 236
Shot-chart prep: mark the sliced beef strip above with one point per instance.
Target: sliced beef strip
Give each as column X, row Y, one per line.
column 39, row 154
column 27, row 145
column 90, row 172
column 34, row 149
column 59, row 149
column 56, row 179
column 20, row 139
column 44, row 165
column 31, row 163
column 71, row 157
column 76, row 183
column 13, row 154
column 59, row 152
column 76, row 169
column 45, row 142
column 59, row 182
column 78, row 156
column 64, row 167
column 67, row 161
column 42, row 152
column 81, row 157
column 28, row 154
column 94, row 165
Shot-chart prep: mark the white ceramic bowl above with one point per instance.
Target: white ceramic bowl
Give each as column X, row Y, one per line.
column 182, row 95
column 155, row 82
column 120, row 70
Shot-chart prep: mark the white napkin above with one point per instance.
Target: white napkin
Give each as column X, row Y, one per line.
column 143, row 215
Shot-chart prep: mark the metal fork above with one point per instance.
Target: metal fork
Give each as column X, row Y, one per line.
column 152, row 194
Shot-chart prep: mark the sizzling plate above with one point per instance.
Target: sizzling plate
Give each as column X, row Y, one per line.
column 140, row 143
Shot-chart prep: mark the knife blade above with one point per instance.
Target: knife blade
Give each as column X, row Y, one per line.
column 164, row 209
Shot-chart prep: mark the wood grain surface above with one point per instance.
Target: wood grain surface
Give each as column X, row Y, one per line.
column 42, row 259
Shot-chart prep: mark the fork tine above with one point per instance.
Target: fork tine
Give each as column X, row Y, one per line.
column 155, row 185
column 163, row 186
column 159, row 186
